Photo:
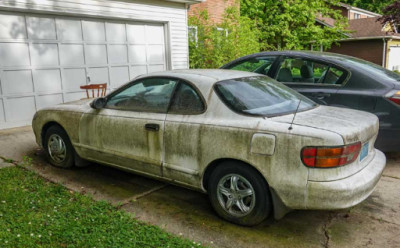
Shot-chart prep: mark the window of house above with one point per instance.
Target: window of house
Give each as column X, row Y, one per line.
column 260, row 65
column 147, row 95
column 357, row 16
column 186, row 101
column 298, row 70
column 192, row 33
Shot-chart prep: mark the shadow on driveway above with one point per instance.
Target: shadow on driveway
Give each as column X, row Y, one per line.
column 375, row 222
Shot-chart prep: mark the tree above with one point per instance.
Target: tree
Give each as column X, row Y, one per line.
column 391, row 14
column 371, row 5
column 217, row 44
column 291, row 24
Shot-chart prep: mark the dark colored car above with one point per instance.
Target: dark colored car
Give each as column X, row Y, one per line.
column 336, row 80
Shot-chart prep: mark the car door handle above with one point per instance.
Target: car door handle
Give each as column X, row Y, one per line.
column 152, row 127
column 321, row 95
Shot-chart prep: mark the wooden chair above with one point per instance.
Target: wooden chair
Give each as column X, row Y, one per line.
column 101, row 89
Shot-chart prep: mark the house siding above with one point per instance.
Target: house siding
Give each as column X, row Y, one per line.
column 370, row 50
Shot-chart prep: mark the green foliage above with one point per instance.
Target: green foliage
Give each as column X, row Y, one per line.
column 37, row 213
column 217, row 44
column 291, row 24
column 371, row 5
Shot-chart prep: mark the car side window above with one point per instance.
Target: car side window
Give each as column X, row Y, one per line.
column 186, row 101
column 147, row 95
column 260, row 65
column 298, row 70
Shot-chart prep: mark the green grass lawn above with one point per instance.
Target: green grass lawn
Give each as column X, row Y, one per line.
column 38, row 213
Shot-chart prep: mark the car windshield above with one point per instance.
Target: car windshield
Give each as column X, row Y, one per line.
column 261, row 96
column 374, row 69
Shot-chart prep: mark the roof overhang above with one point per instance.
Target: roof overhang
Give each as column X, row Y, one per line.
column 186, row 1
column 389, row 37
column 349, row 7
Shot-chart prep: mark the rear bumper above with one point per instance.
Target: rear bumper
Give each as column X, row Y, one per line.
column 346, row 192
column 388, row 140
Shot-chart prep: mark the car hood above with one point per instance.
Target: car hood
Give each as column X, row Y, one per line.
column 352, row 125
column 75, row 106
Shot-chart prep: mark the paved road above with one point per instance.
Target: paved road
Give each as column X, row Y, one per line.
column 374, row 223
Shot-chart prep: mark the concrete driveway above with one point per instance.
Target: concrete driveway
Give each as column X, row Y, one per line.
column 374, row 223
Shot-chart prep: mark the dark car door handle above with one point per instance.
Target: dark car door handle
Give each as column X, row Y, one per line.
column 321, row 95
column 152, row 127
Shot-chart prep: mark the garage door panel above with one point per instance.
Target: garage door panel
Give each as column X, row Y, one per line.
column 69, row 30
column 155, row 34
column 47, row 80
column 138, row 70
column 156, row 68
column 2, row 116
column 137, row 54
column 96, row 54
column 117, row 54
column 71, row 54
column 116, row 32
column 136, row 34
column 93, row 31
column 69, row 97
column 20, row 109
column 119, row 76
column 41, row 28
column 48, row 100
column 44, row 54
column 155, row 54
column 12, row 27
column 98, row 75
column 17, row 82
column 52, row 56
column 14, row 54
column 73, row 78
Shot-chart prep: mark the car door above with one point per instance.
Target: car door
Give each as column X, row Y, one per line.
column 318, row 80
column 129, row 130
column 182, row 135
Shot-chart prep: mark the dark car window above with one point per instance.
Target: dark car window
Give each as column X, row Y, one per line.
column 374, row 69
column 261, row 96
column 260, row 65
column 186, row 101
column 300, row 70
column 147, row 95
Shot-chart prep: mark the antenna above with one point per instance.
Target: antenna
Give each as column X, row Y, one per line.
column 294, row 116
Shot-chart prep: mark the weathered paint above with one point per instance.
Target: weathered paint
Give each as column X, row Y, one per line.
column 186, row 144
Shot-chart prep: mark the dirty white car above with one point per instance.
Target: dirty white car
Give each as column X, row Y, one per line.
column 254, row 145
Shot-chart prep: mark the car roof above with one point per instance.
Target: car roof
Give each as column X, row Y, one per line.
column 202, row 75
column 326, row 56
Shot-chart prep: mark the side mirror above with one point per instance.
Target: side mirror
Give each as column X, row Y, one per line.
column 98, row 103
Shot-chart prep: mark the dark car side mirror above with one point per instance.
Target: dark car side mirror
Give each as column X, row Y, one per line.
column 98, row 103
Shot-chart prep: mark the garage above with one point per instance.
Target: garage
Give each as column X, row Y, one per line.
column 394, row 58
column 46, row 57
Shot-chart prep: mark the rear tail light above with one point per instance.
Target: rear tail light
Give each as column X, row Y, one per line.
column 329, row 157
column 394, row 96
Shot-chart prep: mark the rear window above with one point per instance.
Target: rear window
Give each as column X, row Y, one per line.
column 374, row 69
column 261, row 96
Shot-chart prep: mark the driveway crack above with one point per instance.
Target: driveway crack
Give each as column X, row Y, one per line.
column 325, row 228
column 398, row 178
column 136, row 197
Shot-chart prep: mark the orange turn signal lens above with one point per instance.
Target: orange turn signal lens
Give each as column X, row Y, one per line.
column 330, row 157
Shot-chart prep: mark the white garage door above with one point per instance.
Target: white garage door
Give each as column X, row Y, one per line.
column 394, row 58
column 44, row 59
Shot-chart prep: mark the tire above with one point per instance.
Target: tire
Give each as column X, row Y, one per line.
column 243, row 208
column 58, row 148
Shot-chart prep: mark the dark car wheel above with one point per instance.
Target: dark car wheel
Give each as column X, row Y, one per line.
column 58, row 147
column 239, row 194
